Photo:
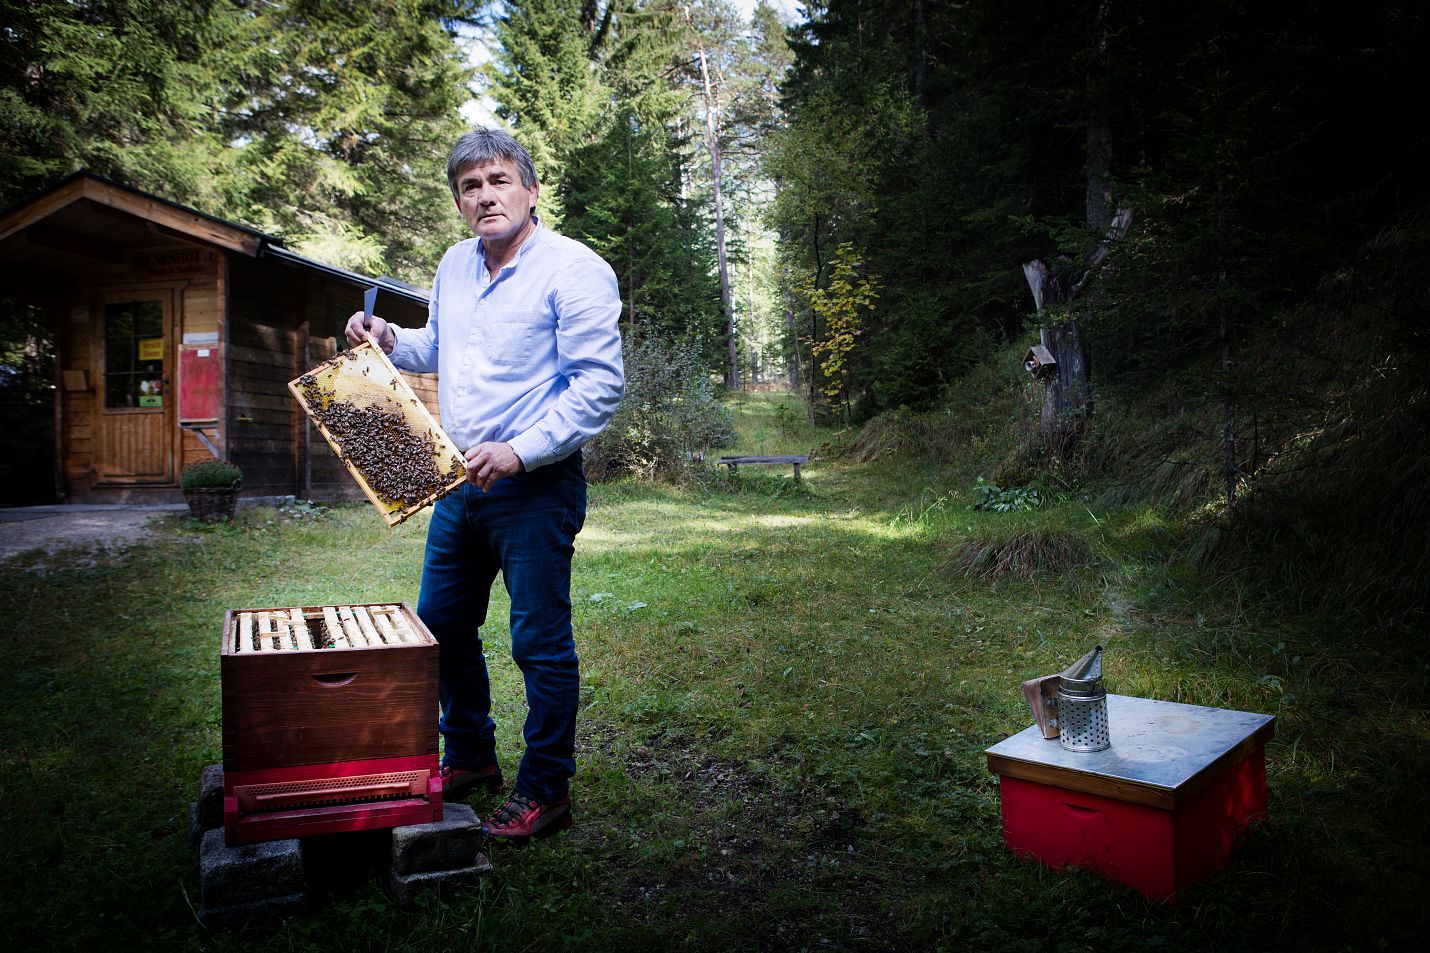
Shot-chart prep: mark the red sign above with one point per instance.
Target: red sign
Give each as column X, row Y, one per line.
column 200, row 374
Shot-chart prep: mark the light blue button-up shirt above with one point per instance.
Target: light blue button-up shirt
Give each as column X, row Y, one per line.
column 531, row 356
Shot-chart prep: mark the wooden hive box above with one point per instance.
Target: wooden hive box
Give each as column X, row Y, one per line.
column 324, row 684
column 329, row 720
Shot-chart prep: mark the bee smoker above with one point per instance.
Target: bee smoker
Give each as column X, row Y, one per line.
column 1072, row 705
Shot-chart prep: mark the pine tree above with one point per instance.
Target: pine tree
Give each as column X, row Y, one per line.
column 324, row 122
column 547, row 86
column 344, row 114
column 582, row 86
column 125, row 88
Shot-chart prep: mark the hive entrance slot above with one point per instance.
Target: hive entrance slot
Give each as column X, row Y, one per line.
column 295, row 795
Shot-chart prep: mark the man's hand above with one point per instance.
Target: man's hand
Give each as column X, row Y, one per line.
column 489, row 462
column 376, row 329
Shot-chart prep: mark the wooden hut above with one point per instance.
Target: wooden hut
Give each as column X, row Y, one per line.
column 175, row 335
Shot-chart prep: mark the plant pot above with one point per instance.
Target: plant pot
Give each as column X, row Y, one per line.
column 212, row 504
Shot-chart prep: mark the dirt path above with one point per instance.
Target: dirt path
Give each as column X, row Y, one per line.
column 52, row 528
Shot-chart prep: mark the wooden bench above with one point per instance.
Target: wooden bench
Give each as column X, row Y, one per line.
column 734, row 462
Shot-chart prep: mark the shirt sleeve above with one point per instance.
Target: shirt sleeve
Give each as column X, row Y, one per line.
column 416, row 348
column 587, row 303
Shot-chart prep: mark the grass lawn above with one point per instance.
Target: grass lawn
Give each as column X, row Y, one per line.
column 787, row 690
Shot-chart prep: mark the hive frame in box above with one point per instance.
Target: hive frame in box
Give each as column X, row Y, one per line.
column 331, row 737
column 361, row 360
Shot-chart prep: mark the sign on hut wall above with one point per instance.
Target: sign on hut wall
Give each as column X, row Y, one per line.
column 168, row 264
column 199, row 381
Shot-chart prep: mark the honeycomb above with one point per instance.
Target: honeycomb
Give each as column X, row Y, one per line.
column 381, row 432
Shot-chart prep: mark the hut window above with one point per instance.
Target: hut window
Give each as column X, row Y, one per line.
column 134, row 354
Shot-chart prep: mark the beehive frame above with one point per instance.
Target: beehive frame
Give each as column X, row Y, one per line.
column 326, row 628
column 365, row 374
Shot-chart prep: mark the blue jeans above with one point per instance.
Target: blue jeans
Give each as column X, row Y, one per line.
column 523, row 526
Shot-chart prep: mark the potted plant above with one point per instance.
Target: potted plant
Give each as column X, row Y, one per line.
column 211, row 487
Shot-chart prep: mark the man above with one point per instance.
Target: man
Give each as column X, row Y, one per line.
column 522, row 328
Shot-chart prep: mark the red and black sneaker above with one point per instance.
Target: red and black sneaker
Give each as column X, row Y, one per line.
column 521, row 818
column 457, row 783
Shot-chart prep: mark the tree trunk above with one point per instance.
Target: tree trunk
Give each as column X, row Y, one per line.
column 792, row 334
column 712, row 142
column 1228, row 434
column 814, row 325
column 630, row 249
column 1099, row 130
column 919, row 54
column 750, row 317
column 1067, row 400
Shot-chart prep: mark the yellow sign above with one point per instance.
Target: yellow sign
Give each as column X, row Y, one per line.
column 151, row 349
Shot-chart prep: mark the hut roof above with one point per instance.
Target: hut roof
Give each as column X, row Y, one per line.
column 86, row 219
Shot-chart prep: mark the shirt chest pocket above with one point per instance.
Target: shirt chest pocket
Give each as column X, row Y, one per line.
column 512, row 339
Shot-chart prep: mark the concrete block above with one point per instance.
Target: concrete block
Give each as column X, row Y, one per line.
column 442, row 856
column 453, row 843
column 258, row 911
column 406, row 887
column 211, row 797
column 207, row 812
column 249, row 876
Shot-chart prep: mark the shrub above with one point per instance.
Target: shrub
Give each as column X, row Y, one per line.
column 897, row 434
column 669, row 417
column 996, row 499
column 1021, row 553
column 210, row 473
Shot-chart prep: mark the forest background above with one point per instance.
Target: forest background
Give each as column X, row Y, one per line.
column 1213, row 214
column 880, row 204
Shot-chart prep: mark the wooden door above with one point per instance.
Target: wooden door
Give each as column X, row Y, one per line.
column 136, row 406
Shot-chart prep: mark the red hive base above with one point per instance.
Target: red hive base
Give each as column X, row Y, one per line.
column 1156, row 851
column 251, row 828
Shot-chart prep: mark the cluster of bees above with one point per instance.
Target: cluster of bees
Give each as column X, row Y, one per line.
column 399, row 464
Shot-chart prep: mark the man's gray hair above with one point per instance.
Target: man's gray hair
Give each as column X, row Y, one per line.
column 482, row 146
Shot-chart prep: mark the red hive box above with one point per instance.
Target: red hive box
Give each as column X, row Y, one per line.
column 1159, row 811
column 329, row 721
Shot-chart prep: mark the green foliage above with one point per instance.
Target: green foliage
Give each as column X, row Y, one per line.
column 210, row 473
column 577, row 88
column 669, row 417
column 996, row 499
column 323, row 122
column 918, row 133
column 839, row 306
column 544, row 84
column 126, row 88
column 623, row 198
column 1332, row 508
column 948, row 142
column 343, row 115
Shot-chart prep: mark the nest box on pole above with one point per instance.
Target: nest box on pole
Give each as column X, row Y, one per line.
column 1040, row 363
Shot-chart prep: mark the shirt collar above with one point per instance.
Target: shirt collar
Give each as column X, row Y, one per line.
column 526, row 246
